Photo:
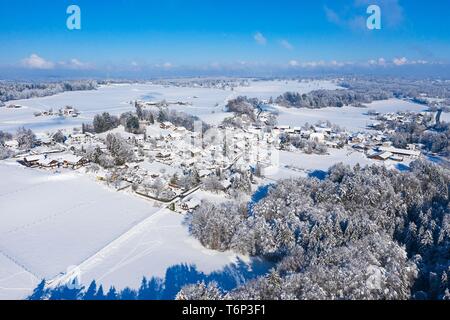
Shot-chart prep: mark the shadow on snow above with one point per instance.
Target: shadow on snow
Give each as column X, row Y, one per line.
column 166, row 288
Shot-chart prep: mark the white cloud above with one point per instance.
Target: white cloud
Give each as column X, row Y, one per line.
column 36, row 62
column 166, row 65
column 286, row 44
column 400, row 61
column 332, row 16
column 378, row 62
column 314, row 64
column 335, row 63
column 320, row 64
column 259, row 38
column 74, row 64
column 420, row 62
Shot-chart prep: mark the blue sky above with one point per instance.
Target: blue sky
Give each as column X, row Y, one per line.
column 170, row 36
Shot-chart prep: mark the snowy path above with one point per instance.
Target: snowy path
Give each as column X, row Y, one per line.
column 148, row 249
column 15, row 281
column 18, row 264
column 98, row 257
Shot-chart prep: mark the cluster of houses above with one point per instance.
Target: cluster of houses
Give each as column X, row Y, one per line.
column 319, row 134
column 165, row 150
column 387, row 152
column 50, row 161
column 175, row 149
column 176, row 146
column 376, row 146
column 383, row 149
column 67, row 111
column 373, row 143
column 428, row 118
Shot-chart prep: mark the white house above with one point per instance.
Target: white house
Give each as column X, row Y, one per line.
column 318, row 137
column 401, row 152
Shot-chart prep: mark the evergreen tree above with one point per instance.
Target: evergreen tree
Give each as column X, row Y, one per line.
column 112, row 294
column 100, row 294
column 143, row 290
column 91, row 291
column 39, row 292
column 128, row 294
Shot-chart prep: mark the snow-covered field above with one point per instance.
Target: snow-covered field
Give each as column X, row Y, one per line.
column 206, row 103
column 351, row 118
column 50, row 222
column 156, row 244
column 15, row 281
column 274, row 88
column 114, row 99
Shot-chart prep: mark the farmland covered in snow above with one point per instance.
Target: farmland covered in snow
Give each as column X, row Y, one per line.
column 149, row 249
column 207, row 103
column 51, row 222
column 350, row 118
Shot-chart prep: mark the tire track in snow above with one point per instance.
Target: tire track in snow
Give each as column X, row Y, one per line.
column 20, row 265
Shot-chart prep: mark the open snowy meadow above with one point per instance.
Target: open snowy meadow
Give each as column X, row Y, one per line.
column 149, row 249
column 206, row 103
column 350, row 118
column 51, row 222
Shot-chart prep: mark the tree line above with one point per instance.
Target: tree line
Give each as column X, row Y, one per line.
column 26, row 90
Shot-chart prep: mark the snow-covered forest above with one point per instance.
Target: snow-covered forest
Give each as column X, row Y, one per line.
column 25, row 90
column 359, row 91
column 399, row 87
column 332, row 239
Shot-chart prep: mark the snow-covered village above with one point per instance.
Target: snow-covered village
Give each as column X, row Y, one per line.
column 224, row 160
column 171, row 167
